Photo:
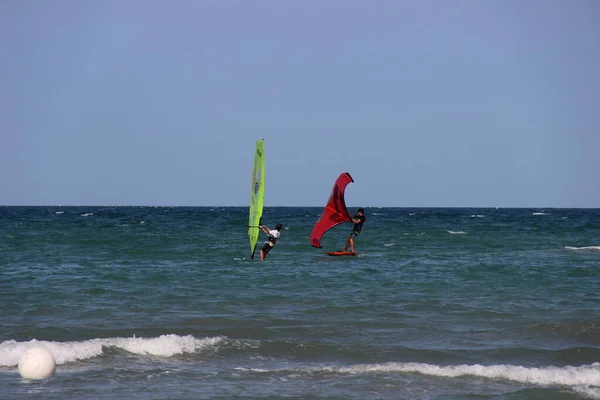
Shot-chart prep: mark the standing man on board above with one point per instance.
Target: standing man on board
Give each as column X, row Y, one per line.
column 358, row 220
column 273, row 236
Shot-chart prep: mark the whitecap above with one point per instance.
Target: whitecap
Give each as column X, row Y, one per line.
column 259, row 370
column 579, row 378
column 65, row 352
column 582, row 248
column 587, row 391
column 457, row 232
column 543, row 376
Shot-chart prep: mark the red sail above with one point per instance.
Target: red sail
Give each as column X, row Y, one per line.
column 334, row 213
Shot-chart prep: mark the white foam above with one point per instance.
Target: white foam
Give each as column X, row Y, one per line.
column 476, row 216
column 546, row 376
column 389, row 244
column 457, row 233
column 65, row 352
column 539, row 213
column 583, row 248
column 588, row 392
column 87, row 214
column 259, row 370
column 59, row 212
column 584, row 379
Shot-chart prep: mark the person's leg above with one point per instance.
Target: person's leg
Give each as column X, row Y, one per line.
column 347, row 243
column 264, row 251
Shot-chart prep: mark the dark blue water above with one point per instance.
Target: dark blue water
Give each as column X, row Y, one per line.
column 164, row 302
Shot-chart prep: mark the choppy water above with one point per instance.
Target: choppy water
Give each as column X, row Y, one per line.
column 163, row 303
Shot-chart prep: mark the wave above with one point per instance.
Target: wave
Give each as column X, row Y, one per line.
column 66, row 352
column 582, row 248
column 584, row 379
column 545, row 376
column 588, row 392
column 457, row 232
column 581, row 377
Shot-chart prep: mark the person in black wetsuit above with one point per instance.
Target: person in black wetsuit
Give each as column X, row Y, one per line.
column 359, row 219
column 273, row 236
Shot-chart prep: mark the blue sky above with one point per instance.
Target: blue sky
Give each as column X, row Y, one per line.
column 426, row 103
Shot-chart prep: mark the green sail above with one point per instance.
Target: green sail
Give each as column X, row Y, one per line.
column 257, row 195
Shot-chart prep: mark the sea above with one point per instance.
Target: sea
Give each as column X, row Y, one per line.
column 166, row 303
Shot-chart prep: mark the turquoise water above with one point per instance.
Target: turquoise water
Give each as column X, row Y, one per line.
column 164, row 303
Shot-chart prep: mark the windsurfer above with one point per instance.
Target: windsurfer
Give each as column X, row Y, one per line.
column 273, row 236
column 358, row 220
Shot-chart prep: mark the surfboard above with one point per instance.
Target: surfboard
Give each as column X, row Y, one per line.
column 341, row 253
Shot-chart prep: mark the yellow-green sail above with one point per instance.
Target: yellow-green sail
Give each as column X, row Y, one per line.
column 257, row 195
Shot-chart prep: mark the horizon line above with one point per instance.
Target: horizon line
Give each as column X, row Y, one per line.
column 284, row 206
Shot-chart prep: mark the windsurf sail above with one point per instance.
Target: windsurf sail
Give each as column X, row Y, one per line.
column 335, row 211
column 257, row 195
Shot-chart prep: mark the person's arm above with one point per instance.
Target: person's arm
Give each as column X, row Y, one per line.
column 265, row 229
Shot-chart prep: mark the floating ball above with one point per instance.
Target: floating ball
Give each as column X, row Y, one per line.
column 37, row 363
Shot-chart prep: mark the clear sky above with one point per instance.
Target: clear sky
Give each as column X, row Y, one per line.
column 448, row 103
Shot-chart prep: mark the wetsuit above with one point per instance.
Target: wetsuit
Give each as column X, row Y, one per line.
column 358, row 225
column 273, row 236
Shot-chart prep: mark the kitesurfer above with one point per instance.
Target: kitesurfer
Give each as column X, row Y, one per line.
column 358, row 220
column 273, row 236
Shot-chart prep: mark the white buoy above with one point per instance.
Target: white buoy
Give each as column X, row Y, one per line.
column 37, row 363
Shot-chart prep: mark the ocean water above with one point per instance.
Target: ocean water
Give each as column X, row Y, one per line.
column 164, row 303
